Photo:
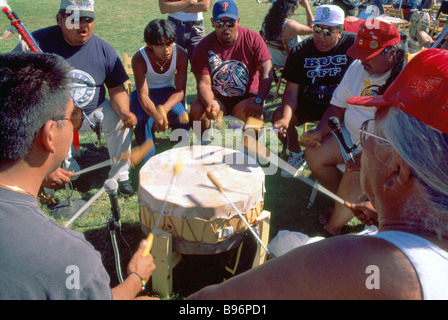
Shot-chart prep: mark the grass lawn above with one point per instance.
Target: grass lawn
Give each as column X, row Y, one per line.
column 122, row 26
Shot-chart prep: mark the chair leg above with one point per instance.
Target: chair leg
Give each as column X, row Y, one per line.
column 279, row 84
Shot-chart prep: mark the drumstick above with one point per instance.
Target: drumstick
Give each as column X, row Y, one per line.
column 257, row 124
column 183, row 118
column 105, row 163
column 254, row 123
column 149, row 240
column 138, row 153
column 252, row 145
column 221, row 190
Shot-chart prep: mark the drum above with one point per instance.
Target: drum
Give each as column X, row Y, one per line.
column 197, row 215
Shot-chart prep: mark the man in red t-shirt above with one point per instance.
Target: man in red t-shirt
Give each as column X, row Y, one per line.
column 233, row 69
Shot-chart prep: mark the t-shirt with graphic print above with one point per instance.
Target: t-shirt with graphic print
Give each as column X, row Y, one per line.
column 318, row 74
column 357, row 82
column 95, row 64
column 232, row 68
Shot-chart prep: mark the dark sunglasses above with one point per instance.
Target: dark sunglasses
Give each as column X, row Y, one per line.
column 76, row 118
column 220, row 23
column 325, row 31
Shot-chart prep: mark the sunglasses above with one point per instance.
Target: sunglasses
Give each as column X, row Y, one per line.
column 87, row 20
column 325, row 31
column 76, row 118
column 220, row 23
column 366, row 131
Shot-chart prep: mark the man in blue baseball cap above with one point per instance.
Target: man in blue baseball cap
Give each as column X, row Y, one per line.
column 233, row 70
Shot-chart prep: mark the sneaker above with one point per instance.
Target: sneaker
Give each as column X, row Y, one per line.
column 297, row 160
column 125, row 188
column 423, row 24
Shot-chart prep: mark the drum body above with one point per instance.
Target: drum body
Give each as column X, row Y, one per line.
column 197, row 215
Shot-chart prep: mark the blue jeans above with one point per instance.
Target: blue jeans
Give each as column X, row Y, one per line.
column 188, row 34
column 145, row 129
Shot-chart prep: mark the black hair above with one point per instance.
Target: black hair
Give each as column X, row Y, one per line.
column 158, row 30
column 34, row 88
column 400, row 57
column 273, row 22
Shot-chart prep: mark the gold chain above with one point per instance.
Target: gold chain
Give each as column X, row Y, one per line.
column 15, row 188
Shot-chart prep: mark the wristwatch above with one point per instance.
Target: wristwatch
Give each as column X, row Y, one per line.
column 258, row 100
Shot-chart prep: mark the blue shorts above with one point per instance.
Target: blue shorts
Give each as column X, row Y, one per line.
column 145, row 128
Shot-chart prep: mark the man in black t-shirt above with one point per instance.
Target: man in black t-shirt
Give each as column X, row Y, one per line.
column 313, row 70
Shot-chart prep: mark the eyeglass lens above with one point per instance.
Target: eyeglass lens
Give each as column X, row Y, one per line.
column 325, row 31
column 220, row 23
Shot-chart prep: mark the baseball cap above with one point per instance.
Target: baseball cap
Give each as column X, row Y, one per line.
column 85, row 7
column 329, row 15
column 373, row 36
column 420, row 90
column 225, row 8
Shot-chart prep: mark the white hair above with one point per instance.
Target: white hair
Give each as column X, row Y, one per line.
column 425, row 150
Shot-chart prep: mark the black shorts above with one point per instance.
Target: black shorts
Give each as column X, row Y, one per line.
column 230, row 102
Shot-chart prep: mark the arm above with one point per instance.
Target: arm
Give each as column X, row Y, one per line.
column 200, row 6
column 206, row 95
column 265, row 79
column 309, row 14
column 322, row 128
column 184, row 5
column 289, row 106
column 334, row 268
column 143, row 266
column 119, row 100
column 254, row 109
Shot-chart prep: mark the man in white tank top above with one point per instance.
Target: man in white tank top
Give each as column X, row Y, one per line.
column 189, row 21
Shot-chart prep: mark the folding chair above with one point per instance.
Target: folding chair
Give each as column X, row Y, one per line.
column 128, row 67
column 398, row 14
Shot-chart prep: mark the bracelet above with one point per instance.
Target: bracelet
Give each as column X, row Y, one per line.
column 143, row 281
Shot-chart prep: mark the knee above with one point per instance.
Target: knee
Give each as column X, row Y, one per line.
column 277, row 115
column 196, row 110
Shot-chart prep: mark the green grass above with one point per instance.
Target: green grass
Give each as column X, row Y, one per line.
column 122, row 26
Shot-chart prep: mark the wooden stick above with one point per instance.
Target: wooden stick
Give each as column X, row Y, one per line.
column 253, row 145
column 150, row 239
column 221, row 190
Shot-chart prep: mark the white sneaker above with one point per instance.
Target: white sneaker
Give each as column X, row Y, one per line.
column 296, row 160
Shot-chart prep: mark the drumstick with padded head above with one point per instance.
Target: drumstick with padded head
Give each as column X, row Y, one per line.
column 258, row 124
column 221, row 190
column 138, row 153
column 176, row 171
column 253, row 145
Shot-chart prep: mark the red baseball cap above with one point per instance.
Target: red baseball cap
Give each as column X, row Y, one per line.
column 420, row 90
column 373, row 36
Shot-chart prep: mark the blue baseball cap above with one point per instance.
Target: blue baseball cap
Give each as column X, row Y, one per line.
column 225, row 8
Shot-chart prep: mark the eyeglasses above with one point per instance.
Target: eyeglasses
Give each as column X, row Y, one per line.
column 366, row 130
column 76, row 118
column 220, row 23
column 325, row 31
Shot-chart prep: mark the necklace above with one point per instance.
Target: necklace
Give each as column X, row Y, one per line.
column 161, row 65
column 17, row 189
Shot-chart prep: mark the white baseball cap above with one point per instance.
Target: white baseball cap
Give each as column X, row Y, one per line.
column 329, row 15
column 85, row 7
